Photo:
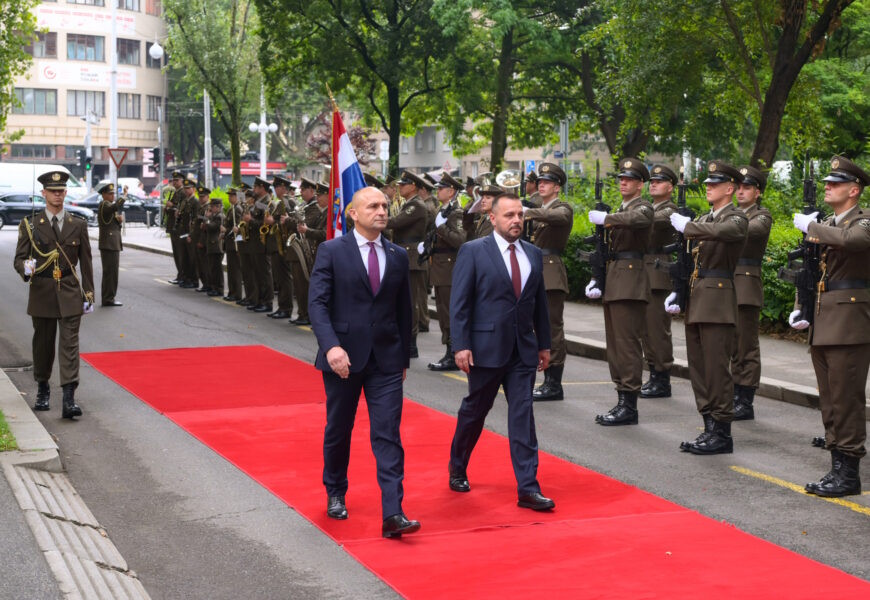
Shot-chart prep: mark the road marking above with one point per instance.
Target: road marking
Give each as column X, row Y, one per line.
column 461, row 378
column 162, row 281
column 122, row 268
column 858, row 508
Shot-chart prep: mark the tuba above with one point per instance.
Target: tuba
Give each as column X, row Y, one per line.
column 509, row 180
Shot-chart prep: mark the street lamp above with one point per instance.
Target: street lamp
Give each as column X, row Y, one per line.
column 262, row 127
column 156, row 53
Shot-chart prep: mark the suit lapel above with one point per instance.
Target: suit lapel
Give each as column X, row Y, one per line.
column 532, row 281
column 497, row 260
column 354, row 257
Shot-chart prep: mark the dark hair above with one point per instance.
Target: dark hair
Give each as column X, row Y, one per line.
column 507, row 196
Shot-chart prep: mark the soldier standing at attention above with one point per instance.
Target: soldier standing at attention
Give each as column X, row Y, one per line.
column 711, row 317
column 840, row 337
column 214, row 226
column 170, row 210
column 275, row 246
column 231, row 247
column 257, row 222
column 478, row 224
column 409, row 228
column 186, row 206
column 658, row 346
column 50, row 246
column 550, row 230
column 297, row 258
column 197, row 234
column 626, row 292
column 246, row 252
column 746, row 363
column 109, row 221
column 533, row 198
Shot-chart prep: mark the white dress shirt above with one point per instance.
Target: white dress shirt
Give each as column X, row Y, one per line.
column 364, row 250
column 522, row 259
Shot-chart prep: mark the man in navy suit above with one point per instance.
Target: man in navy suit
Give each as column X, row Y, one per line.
column 501, row 334
column 359, row 303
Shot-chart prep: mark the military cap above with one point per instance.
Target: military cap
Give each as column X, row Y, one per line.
column 262, row 182
column 634, row 168
column 552, row 172
column 177, row 175
column 53, row 180
column 490, row 190
column 216, row 202
column 373, row 181
column 231, row 190
column 107, row 187
column 532, row 176
column 244, row 187
column 249, row 193
column 322, row 188
column 390, row 180
column 469, row 181
column 752, row 176
column 844, row 170
column 413, row 178
column 281, row 180
column 429, row 182
column 201, row 189
column 720, row 172
column 663, row 173
column 448, row 181
column 189, row 183
column 307, row 183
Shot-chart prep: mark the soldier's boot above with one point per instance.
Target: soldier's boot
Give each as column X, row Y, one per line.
column 551, row 389
column 841, row 480
column 718, row 440
column 414, row 351
column 447, row 363
column 708, row 427
column 70, row 408
column 43, row 392
column 744, row 396
column 818, row 441
column 624, row 413
column 658, row 386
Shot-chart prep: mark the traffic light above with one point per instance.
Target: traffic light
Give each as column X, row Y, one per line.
column 88, row 164
column 80, row 158
column 155, row 156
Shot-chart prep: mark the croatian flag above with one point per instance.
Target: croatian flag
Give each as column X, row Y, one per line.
column 344, row 180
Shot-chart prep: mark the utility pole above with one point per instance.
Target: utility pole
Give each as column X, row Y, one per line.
column 113, row 93
column 206, row 159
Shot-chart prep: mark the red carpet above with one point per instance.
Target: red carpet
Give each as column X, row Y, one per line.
column 605, row 539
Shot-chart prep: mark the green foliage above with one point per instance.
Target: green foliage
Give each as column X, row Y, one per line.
column 17, row 29
column 778, row 295
column 7, row 440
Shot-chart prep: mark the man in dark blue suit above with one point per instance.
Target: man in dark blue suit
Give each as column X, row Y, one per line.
column 501, row 334
column 359, row 303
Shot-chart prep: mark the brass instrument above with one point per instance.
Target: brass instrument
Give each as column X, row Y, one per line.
column 298, row 243
column 509, row 180
column 264, row 229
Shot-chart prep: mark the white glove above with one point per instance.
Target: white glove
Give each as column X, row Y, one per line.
column 679, row 221
column 420, row 248
column 88, row 307
column 802, row 324
column 670, row 306
column 802, row 221
column 596, row 217
column 439, row 219
column 29, row 266
column 592, row 291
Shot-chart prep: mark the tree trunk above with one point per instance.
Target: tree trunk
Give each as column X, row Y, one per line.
column 395, row 131
column 235, row 150
column 504, row 76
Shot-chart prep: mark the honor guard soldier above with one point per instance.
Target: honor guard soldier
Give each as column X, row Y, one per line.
column 300, row 252
column 186, row 207
column 51, row 244
column 432, row 204
column 110, row 219
column 409, row 228
column 626, row 292
column 214, row 249
column 746, row 363
column 258, row 230
column 550, row 230
column 282, row 206
column 170, row 211
column 246, row 251
column 230, row 235
column 444, row 241
column 658, row 346
column 533, row 198
column 197, row 234
column 840, row 334
column 478, row 224
column 711, row 316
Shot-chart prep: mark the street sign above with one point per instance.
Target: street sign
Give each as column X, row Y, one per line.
column 530, row 166
column 118, row 155
column 558, row 154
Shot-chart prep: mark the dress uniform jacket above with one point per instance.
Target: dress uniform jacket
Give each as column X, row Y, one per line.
column 316, row 219
column 258, row 213
column 232, row 218
column 449, row 236
column 552, row 226
column 275, row 237
column 747, row 276
column 110, row 226
column 171, row 212
column 409, row 228
column 433, row 206
column 309, row 211
column 476, row 225
column 213, row 241
column 629, row 236
column 662, row 234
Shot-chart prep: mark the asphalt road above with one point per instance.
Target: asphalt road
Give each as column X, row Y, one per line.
column 193, row 526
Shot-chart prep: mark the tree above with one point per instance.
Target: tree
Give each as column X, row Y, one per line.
column 17, row 32
column 319, row 144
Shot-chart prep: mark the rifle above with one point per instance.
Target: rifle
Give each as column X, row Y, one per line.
column 682, row 269
column 803, row 267
column 599, row 257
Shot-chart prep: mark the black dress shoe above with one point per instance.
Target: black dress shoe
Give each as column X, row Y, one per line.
column 43, row 392
column 70, row 408
column 280, row 314
column 818, row 441
column 300, row 321
column 536, row 501
column 243, row 302
column 398, row 524
column 187, row 285
column 262, row 308
column 335, row 508
column 174, row 281
column 252, row 306
column 446, row 363
column 230, row 299
column 459, row 481
column 113, row 303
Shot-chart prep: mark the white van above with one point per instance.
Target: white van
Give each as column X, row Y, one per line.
column 22, row 177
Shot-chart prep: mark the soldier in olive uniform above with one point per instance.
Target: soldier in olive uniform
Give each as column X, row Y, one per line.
column 431, row 202
column 478, row 224
column 408, row 229
column 50, row 247
column 446, row 238
column 170, row 212
column 658, row 346
column 109, row 220
column 626, row 292
column 840, row 334
column 256, row 220
column 214, row 228
column 197, row 235
column 313, row 230
column 275, row 246
column 231, row 247
column 550, row 230
column 746, row 363
column 246, row 253
column 711, row 315
column 186, row 206
column 432, row 205
column 298, row 253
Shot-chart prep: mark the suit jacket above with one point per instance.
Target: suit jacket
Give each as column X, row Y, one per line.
column 485, row 315
column 49, row 299
column 344, row 312
column 110, row 227
column 747, row 277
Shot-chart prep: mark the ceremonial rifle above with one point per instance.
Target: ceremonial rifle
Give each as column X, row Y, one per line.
column 598, row 258
column 682, row 269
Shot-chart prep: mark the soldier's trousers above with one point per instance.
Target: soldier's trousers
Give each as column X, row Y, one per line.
column 110, row 260
column 234, row 273
column 623, row 327
column 250, row 282
column 263, row 277
column 216, row 272
column 176, row 255
column 44, row 344
column 709, row 347
column 300, row 288
column 418, row 298
column 281, row 278
column 202, row 266
column 746, row 363
column 658, row 346
column 442, row 306
column 558, row 347
column 423, row 299
column 189, row 260
column 841, row 372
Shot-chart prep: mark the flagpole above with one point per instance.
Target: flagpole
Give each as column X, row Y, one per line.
column 330, row 217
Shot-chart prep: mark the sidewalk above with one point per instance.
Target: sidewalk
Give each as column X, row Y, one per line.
column 787, row 372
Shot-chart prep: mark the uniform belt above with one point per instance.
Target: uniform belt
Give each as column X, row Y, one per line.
column 847, row 284
column 50, row 273
column 749, row 262
column 550, row 252
column 626, row 255
column 715, row 274
column 443, row 251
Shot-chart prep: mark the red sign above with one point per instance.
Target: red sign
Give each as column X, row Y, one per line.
column 118, row 155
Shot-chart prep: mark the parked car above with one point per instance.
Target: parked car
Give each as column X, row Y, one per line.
column 135, row 209
column 14, row 206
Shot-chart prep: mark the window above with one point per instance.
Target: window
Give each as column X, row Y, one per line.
column 129, row 5
column 84, row 47
column 129, row 106
column 418, row 142
column 79, row 102
column 91, row 2
column 128, row 52
column 150, row 62
column 153, row 8
column 44, row 46
column 152, row 105
column 404, row 145
column 431, row 139
column 32, row 151
column 35, row 102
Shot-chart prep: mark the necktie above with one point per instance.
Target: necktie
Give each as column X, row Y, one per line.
column 516, row 278
column 55, row 227
column 374, row 269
